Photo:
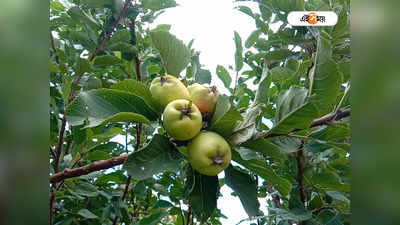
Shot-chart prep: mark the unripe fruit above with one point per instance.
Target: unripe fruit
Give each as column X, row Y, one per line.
column 209, row 153
column 182, row 119
column 167, row 88
column 204, row 96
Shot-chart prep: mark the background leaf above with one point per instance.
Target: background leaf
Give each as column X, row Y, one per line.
column 245, row 187
column 175, row 55
column 158, row 156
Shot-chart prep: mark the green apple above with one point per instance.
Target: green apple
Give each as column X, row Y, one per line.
column 167, row 88
column 182, row 119
column 209, row 153
column 204, row 97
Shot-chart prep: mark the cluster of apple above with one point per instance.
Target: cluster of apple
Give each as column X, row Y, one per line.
column 184, row 108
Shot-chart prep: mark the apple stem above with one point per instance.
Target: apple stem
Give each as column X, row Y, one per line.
column 186, row 111
column 163, row 80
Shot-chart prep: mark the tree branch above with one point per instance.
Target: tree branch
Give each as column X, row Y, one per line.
column 95, row 166
column 325, row 120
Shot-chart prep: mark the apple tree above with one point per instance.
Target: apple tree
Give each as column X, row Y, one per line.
column 284, row 116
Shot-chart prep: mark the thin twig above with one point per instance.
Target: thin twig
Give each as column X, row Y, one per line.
column 300, row 171
column 108, row 35
column 325, row 120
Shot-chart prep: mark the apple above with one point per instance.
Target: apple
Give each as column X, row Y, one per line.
column 167, row 88
column 182, row 119
column 209, row 153
column 204, row 97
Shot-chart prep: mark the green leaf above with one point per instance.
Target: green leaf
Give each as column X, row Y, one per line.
column 293, row 111
column 247, row 127
column 83, row 66
column 97, row 3
column 87, row 214
column 245, row 10
column 294, row 214
column 106, row 60
column 251, row 40
column 288, row 144
column 97, row 106
column 263, row 170
column 263, row 87
column 224, row 76
column 139, row 89
column 158, row 156
column 225, row 118
column 153, row 219
column 156, row 5
column 279, row 74
column 82, row 38
column 126, row 117
column 277, row 55
column 338, row 196
column 325, row 79
column 80, row 16
column 203, row 197
column 203, row 76
column 120, row 36
column 174, row 54
column 245, row 187
column 264, row 146
column 239, row 52
column 86, row 189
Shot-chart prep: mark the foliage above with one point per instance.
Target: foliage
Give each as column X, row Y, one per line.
column 283, row 80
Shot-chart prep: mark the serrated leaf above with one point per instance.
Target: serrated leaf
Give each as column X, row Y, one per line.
column 96, row 106
column 203, row 197
column 80, row 16
column 246, row 128
column 245, row 187
column 158, row 156
column 156, row 5
column 263, row 170
column 239, row 52
column 287, row 144
column 174, row 54
column 294, row 111
column 224, row 76
column 139, row 89
column 264, row 146
column 251, row 40
column 325, row 79
column 87, row 214
column 225, row 118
